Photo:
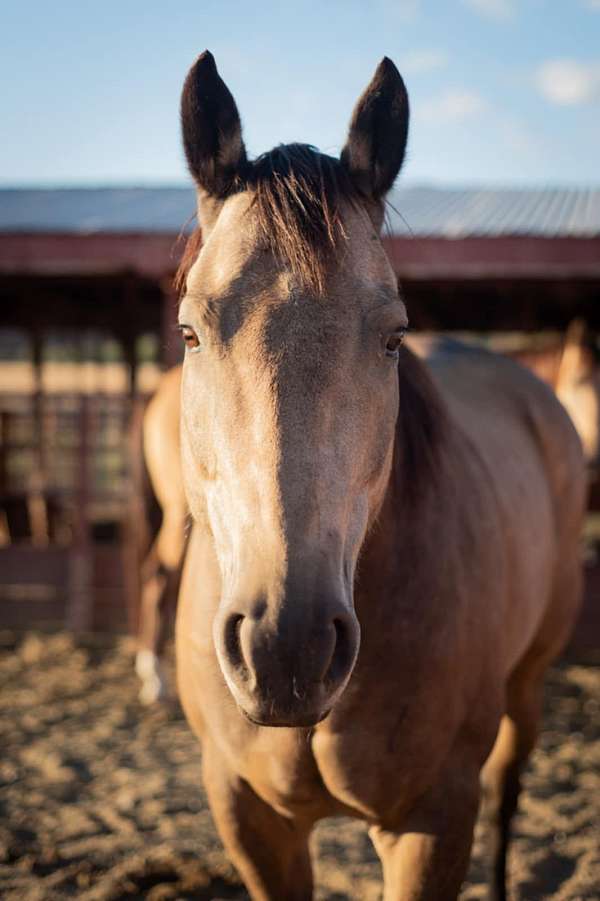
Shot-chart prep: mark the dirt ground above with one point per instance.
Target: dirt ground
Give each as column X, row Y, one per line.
column 101, row 799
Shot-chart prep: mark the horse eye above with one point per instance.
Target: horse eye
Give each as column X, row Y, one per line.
column 392, row 345
column 190, row 338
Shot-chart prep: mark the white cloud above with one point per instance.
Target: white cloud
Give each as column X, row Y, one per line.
column 417, row 62
column 501, row 10
column 594, row 5
column 568, row 82
column 453, row 105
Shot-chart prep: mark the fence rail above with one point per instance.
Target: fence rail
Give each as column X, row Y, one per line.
column 64, row 491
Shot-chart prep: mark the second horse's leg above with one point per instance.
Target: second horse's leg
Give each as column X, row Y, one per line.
column 147, row 665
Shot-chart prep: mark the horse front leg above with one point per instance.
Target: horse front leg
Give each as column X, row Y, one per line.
column 427, row 856
column 270, row 851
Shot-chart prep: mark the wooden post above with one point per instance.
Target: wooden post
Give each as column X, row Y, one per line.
column 133, row 516
column 134, row 525
column 128, row 332
column 4, row 439
column 80, row 602
column 36, row 494
column 128, row 343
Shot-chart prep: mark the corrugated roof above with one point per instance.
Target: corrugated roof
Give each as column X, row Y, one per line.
column 88, row 210
column 424, row 211
column 487, row 212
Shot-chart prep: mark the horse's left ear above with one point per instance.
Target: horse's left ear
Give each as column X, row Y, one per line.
column 573, row 364
column 376, row 143
column 211, row 129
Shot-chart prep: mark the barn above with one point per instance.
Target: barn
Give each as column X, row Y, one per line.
column 87, row 315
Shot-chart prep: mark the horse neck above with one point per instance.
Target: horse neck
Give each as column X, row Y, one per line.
column 405, row 535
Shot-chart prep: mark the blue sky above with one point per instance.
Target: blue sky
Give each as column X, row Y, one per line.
column 502, row 91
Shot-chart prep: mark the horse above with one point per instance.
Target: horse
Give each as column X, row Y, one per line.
column 572, row 371
column 157, row 523
column 567, row 367
column 384, row 556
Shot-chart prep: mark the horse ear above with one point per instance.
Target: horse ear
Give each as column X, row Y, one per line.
column 378, row 132
column 211, row 129
column 573, row 363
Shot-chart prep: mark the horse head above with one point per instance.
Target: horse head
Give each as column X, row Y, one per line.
column 292, row 323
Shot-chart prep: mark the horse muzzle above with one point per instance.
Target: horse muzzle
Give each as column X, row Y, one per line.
column 289, row 666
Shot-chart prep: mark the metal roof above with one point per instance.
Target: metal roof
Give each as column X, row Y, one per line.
column 455, row 213
column 422, row 211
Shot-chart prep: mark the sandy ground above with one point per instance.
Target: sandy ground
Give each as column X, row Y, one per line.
column 101, row 799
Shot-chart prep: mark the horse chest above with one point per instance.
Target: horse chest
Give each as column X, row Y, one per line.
column 324, row 775
column 354, row 770
column 282, row 769
column 375, row 774
column 382, row 747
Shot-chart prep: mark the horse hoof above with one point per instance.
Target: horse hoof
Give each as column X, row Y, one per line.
column 152, row 690
column 154, row 684
column 146, row 664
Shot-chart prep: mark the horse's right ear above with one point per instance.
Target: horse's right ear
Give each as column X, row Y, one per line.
column 211, row 129
column 378, row 132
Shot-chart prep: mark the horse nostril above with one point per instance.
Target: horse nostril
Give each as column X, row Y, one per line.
column 343, row 655
column 232, row 643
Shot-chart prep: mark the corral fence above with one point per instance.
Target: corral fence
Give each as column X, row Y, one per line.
column 66, row 555
column 64, row 493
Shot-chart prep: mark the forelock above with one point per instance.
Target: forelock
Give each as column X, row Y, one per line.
column 297, row 197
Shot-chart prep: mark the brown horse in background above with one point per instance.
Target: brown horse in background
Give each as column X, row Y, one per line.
column 385, row 550
column 157, row 524
column 572, row 371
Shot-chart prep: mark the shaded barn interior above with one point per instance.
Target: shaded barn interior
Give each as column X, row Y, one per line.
column 88, row 312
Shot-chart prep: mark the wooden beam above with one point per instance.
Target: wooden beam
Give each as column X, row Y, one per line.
column 514, row 257
column 156, row 255
column 96, row 254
